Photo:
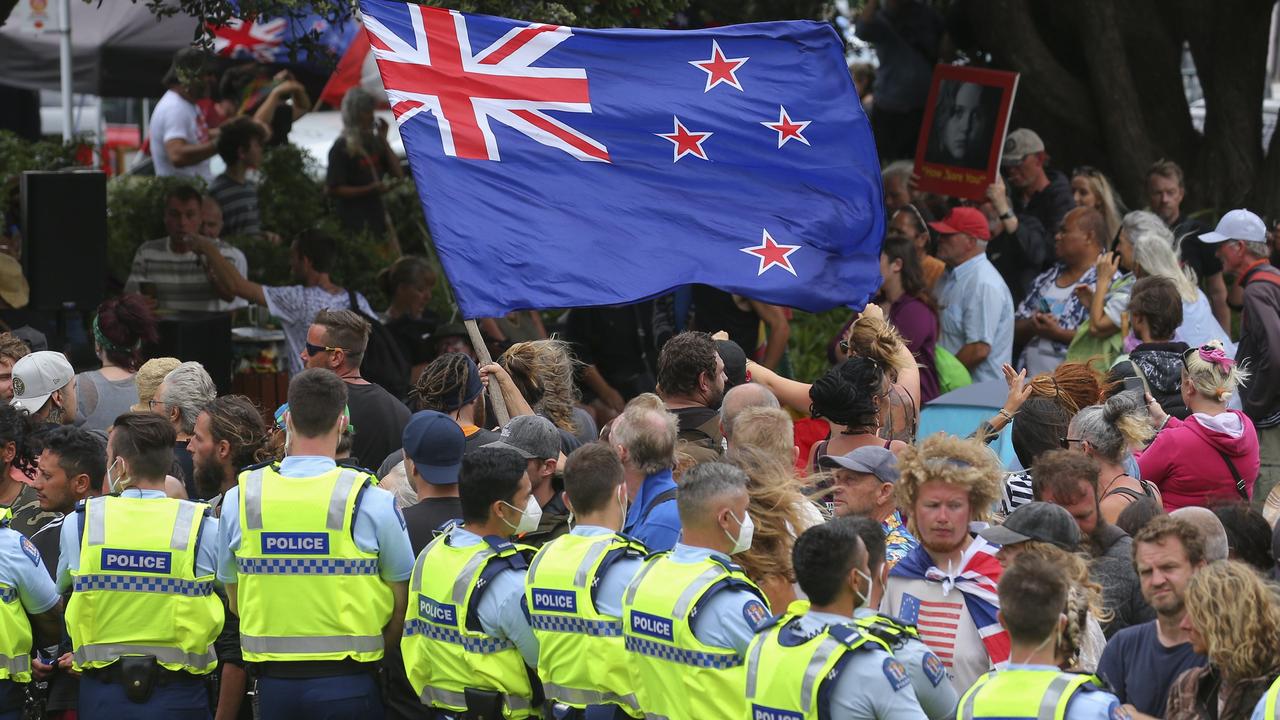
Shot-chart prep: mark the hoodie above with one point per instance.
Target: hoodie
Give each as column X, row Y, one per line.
column 1188, row 459
column 1160, row 365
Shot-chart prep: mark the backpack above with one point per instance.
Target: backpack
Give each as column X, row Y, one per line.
column 383, row 364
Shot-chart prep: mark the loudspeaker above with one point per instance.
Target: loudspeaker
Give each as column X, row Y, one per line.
column 64, row 245
column 202, row 337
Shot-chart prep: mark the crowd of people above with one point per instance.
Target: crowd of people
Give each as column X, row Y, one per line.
column 635, row 511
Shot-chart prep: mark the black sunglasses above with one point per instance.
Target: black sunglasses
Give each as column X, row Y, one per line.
column 317, row 349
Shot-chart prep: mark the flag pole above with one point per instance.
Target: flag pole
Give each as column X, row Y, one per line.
column 482, row 352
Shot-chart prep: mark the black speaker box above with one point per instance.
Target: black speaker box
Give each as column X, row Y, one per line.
column 64, row 243
column 202, row 337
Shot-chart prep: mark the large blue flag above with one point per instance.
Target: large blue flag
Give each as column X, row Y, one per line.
column 562, row 167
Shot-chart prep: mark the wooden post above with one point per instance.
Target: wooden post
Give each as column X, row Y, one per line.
column 482, row 352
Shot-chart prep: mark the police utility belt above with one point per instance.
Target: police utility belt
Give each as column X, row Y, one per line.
column 140, row 674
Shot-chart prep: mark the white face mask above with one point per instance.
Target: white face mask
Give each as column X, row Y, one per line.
column 862, row 597
column 746, row 530
column 622, row 502
column 529, row 517
column 117, row 478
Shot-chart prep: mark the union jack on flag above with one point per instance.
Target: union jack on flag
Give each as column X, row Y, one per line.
column 266, row 40
column 563, row 167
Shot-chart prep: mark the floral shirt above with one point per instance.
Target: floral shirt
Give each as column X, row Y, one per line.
column 1063, row 304
column 898, row 539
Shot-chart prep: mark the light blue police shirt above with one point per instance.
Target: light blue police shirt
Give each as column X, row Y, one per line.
column 730, row 617
column 500, row 612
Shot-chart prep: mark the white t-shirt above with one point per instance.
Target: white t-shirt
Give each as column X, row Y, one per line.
column 944, row 624
column 175, row 118
column 1042, row 354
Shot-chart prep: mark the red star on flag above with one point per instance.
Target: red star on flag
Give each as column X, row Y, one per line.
column 787, row 128
column 685, row 142
column 771, row 253
column 719, row 68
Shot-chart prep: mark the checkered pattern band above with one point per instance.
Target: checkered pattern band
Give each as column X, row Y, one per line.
column 485, row 645
column 306, row 566
column 559, row 623
column 143, row 583
column 684, row 657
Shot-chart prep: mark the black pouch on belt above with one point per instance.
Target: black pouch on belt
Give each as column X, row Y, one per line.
column 483, row 705
column 138, row 674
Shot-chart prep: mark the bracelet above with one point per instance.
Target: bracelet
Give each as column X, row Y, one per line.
column 1005, row 414
column 1007, row 214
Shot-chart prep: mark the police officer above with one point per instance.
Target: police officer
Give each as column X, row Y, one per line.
column 467, row 644
column 142, row 615
column 315, row 559
column 690, row 613
column 574, row 593
column 1033, row 606
column 1268, row 707
column 814, row 661
column 29, row 604
column 927, row 672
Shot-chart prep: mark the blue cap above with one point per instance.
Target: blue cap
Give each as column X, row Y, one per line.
column 435, row 444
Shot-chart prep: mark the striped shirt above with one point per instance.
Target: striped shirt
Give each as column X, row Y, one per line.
column 239, row 203
column 944, row 624
column 180, row 279
column 295, row 306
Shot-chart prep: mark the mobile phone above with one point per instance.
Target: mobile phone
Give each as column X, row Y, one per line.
column 1044, row 306
column 1135, row 383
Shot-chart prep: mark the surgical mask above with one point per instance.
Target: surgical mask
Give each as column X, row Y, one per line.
column 529, row 517
column 746, row 530
column 862, row 598
column 622, row 502
column 117, row 479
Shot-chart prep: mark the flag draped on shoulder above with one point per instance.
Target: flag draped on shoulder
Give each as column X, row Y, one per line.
column 563, row 167
column 977, row 580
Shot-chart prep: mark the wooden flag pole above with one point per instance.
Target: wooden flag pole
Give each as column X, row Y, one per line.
column 482, row 352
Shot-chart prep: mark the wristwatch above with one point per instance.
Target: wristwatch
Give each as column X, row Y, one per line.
column 1007, row 214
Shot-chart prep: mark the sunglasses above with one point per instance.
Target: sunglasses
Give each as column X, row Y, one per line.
column 317, row 349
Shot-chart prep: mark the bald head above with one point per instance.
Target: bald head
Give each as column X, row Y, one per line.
column 740, row 398
column 1215, row 536
column 646, row 434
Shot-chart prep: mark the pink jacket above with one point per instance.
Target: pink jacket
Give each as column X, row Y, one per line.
column 1184, row 460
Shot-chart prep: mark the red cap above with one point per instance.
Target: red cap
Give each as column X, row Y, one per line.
column 967, row 220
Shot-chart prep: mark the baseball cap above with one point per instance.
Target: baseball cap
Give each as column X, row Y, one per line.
column 435, row 444
column 1019, row 144
column 1041, row 521
column 1237, row 225
column 867, row 459
column 533, row 436
column 967, row 220
column 14, row 289
column 36, row 376
column 735, row 362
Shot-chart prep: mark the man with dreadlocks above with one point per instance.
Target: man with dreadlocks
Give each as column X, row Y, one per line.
column 229, row 436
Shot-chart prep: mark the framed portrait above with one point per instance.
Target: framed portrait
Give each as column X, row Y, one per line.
column 962, row 136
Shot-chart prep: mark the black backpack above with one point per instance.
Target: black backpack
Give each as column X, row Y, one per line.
column 383, row 364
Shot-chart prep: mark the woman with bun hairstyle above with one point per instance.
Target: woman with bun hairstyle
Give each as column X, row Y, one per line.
column 1108, row 433
column 1213, row 454
column 120, row 327
column 851, row 397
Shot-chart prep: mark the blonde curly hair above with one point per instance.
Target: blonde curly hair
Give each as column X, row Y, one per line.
column 543, row 371
column 965, row 463
column 1238, row 616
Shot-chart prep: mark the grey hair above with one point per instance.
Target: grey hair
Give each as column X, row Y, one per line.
column 355, row 103
column 702, row 486
column 648, row 432
column 1216, row 546
column 1257, row 249
column 897, row 170
column 741, row 397
column 190, row 389
column 1112, row 427
column 398, row 484
column 1155, row 251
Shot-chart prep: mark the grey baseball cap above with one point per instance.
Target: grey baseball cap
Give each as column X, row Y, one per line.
column 867, row 459
column 533, row 436
column 1041, row 521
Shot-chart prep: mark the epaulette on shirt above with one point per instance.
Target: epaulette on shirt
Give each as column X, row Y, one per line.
column 853, row 637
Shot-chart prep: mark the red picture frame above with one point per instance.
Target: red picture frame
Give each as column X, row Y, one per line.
column 963, row 132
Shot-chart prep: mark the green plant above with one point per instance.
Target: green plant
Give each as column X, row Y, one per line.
column 18, row 156
column 810, row 333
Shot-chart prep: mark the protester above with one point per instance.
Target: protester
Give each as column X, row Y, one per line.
column 865, row 483
column 977, row 309
column 1243, row 656
column 19, row 456
column 1106, row 433
column 1070, row 478
column 181, row 141
column 434, row 446
column 12, row 349
column 1248, row 536
column 1155, row 312
column 44, row 386
column 358, row 161
column 745, row 397
column 148, row 378
column 228, row 437
column 1138, row 514
column 908, row 222
column 1090, row 188
column 543, row 371
column 691, row 383
column 1216, row 545
column 1047, row 318
column 186, row 391
column 312, row 256
column 644, row 438
column 872, row 338
column 906, row 37
column 945, row 484
column 1039, row 426
column 1166, row 190
column 407, row 284
column 911, row 309
column 1246, row 258
column 1213, row 454
column 240, row 143
column 119, row 327
column 537, row 442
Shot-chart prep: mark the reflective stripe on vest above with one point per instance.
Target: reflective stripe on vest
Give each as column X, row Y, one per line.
column 1271, row 710
column 336, row 518
column 594, row 628
column 306, row 566
column 483, row 646
column 692, row 658
column 143, row 583
column 299, row 645
column 578, row 696
column 113, row 651
column 433, row 695
column 1051, row 701
column 15, row 665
